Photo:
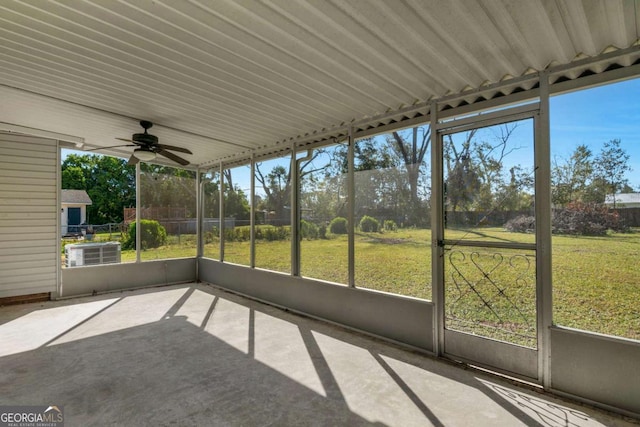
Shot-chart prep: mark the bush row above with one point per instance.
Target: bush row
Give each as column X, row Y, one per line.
column 584, row 219
column 368, row 224
column 308, row 230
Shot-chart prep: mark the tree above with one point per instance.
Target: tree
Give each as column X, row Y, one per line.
column 610, row 167
column 512, row 195
column 381, row 188
column 475, row 173
column 166, row 187
column 109, row 182
column 73, row 178
column 277, row 188
column 236, row 204
column 211, row 194
column 571, row 178
column 491, row 155
column 323, row 193
column 277, row 183
column 412, row 148
column 462, row 182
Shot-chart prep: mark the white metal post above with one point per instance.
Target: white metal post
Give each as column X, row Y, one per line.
column 59, row 286
column 296, row 244
column 199, row 215
column 295, row 212
column 138, row 204
column 437, row 233
column 351, row 196
column 221, row 212
column 544, row 304
column 252, row 215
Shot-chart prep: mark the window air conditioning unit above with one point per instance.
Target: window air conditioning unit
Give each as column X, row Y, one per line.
column 77, row 255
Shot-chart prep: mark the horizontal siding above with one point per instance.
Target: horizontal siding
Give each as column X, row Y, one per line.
column 44, row 239
column 34, row 143
column 25, row 214
column 25, row 272
column 34, row 225
column 29, row 215
column 23, row 251
column 25, row 209
column 21, row 180
column 28, row 167
column 33, row 245
column 27, row 188
column 33, row 202
column 30, row 161
column 20, row 152
column 19, row 174
column 34, row 194
column 28, row 228
column 24, row 256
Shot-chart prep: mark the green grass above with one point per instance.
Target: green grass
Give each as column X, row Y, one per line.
column 596, row 279
column 597, row 283
column 398, row 262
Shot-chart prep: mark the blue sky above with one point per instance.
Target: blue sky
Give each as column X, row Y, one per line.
column 595, row 116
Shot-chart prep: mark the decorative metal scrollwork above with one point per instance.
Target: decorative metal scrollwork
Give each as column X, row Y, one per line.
column 492, row 294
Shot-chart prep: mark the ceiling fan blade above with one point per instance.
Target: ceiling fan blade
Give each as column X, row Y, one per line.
column 113, row 146
column 174, row 148
column 125, row 140
column 173, row 157
column 133, row 160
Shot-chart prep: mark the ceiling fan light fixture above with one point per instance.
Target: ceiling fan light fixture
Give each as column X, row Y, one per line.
column 144, row 155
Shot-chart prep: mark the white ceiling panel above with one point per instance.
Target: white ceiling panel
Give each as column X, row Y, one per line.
column 227, row 77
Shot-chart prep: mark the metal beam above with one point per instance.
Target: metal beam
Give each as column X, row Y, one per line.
column 351, row 194
column 543, row 232
column 437, row 234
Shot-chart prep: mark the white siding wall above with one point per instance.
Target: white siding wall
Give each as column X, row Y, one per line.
column 29, row 215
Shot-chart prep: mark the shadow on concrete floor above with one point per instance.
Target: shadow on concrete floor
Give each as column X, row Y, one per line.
column 197, row 355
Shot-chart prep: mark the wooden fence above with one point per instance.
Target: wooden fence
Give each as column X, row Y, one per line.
column 630, row 216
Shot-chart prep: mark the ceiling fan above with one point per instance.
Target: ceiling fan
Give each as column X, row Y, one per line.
column 147, row 147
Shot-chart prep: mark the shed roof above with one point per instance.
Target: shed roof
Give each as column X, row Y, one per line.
column 78, row 197
column 622, row 198
column 230, row 78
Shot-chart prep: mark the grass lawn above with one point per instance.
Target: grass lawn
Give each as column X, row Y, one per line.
column 597, row 283
column 596, row 279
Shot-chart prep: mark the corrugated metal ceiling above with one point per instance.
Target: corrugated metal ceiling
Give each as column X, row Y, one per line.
column 224, row 77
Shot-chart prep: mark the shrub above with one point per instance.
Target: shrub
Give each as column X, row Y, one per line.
column 322, row 231
column 390, row 225
column 308, row 230
column 338, row 225
column 588, row 219
column 521, row 224
column 260, row 232
column 237, row 234
column 209, row 237
column 152, row 235
column 274, row 233
column 369, row 224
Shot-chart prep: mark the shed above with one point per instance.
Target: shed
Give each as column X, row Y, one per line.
column 74, row 210
column 623, row 200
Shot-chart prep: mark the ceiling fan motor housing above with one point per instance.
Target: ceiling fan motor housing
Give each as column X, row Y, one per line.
column 145, row 138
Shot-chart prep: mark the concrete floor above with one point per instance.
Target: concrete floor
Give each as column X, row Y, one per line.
column 196, row 355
